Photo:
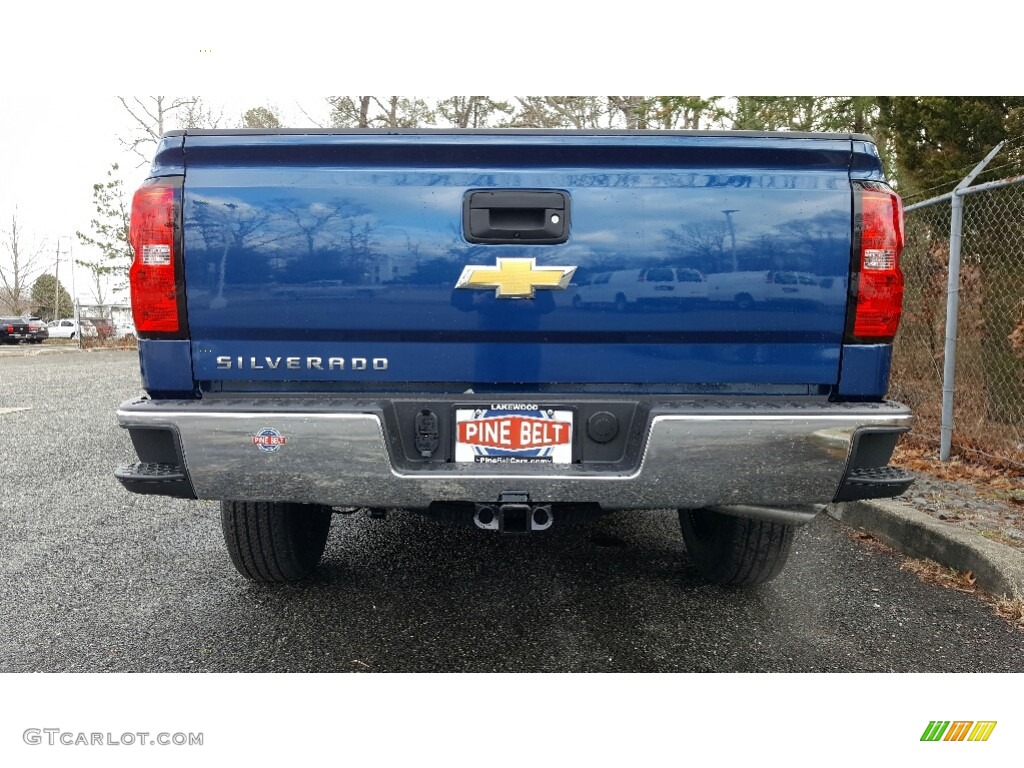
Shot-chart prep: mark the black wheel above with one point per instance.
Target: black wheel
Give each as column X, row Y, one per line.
column 621, row 305
column 735, row 550
column 274, row 541
column 744, row 301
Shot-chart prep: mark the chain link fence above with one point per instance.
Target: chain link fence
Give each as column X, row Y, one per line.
column 988, row 402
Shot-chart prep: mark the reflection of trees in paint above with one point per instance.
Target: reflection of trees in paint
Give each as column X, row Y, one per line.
column 225, row 227
column 702, row 243
column 326, row 240
column 805, row 244
column 283, row 240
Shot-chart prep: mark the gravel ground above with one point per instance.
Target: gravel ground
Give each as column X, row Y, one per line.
column 97, row 579
column 993, row 509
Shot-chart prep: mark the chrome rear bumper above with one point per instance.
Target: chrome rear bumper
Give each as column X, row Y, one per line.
column 693, row 455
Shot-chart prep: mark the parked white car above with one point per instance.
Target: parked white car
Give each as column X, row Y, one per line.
column 91, row 327
column 653, row 286
column 747, row 289
column 63, row 329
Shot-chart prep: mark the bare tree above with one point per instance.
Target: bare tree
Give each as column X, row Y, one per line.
column 154, row 115
column 636, row 111
column 98, row 288
column 690, row 112
column 471, row 111
column 785, row 113
column 559, row 112
column 349, row 111
column 196, row 113
column 18, row 268
column 379, row 112
column 402, row 112
column 312, row 120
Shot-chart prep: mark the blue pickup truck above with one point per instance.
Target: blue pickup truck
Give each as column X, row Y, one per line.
column 514, row 329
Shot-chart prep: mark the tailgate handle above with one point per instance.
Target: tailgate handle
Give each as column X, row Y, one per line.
column 516, row 216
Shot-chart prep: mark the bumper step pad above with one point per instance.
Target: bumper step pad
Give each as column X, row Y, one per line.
column 156, row 478
column 874, row 483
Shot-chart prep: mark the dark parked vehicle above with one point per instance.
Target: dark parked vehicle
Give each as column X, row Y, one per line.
column 13, row 330
column 37, row 330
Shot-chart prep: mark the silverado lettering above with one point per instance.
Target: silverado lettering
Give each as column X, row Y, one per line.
column 227, row 363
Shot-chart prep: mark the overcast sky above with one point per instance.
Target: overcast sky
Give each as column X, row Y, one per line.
column 50, row 164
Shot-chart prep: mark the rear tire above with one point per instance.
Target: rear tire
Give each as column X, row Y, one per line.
column 274, row 542
column 735, row 550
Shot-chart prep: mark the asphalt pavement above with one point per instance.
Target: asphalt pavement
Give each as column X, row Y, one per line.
column 93, row 578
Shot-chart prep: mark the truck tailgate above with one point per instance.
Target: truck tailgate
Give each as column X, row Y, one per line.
column 700, row 260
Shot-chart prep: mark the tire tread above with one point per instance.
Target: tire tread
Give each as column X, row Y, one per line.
column 738, row 550
column 274, row 541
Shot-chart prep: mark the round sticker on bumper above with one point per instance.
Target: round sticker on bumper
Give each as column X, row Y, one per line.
column 269, row 440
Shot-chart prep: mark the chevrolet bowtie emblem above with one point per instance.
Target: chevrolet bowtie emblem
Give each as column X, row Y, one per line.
column 515, row 278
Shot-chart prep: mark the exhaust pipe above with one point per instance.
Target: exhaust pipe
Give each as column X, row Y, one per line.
column 795, row 515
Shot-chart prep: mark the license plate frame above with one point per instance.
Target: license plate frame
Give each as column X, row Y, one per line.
column 513, row 434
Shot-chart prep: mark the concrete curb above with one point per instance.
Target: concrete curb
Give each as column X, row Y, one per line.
column 31, row 350
column 62, row 349
column 998, row 568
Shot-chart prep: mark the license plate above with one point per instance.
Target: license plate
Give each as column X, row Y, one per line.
column 513, row 433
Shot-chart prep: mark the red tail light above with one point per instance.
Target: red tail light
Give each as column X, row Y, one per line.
column 154, row 288
column 879, row 297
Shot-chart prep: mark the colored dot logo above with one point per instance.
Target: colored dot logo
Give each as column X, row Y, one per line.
column 268, row 440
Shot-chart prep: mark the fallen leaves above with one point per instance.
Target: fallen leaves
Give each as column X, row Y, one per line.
column 931, row 572
column 966, row 466
column 1012, row 611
